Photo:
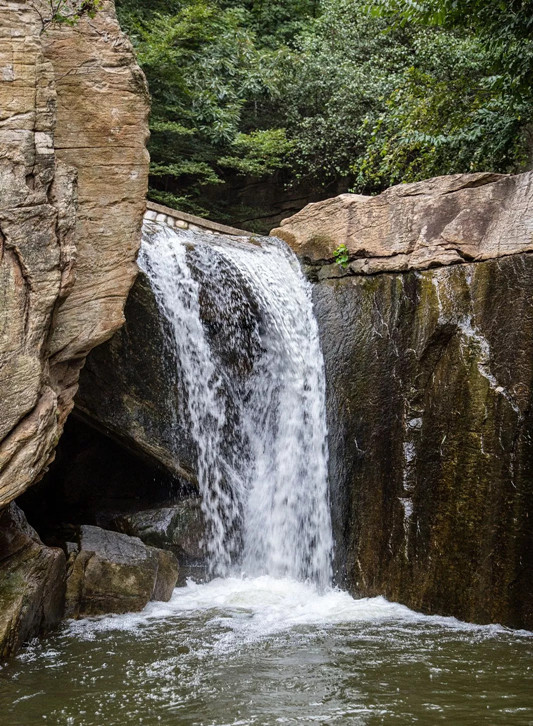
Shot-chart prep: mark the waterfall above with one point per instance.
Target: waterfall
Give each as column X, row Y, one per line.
column 241, row 330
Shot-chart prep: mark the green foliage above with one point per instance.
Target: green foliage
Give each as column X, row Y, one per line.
column 467, row 102
column 341, row 256
column 259, row 153
column 65, row 12
column 323, row 94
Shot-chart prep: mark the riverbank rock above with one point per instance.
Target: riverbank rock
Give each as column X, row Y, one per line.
column 73, row 177
column 32, row 582
column 111, row 572
column 429, row 392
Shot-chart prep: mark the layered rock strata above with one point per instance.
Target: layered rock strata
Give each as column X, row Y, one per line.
column 73, row 174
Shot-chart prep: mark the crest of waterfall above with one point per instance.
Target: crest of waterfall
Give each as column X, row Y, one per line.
column 240, row 326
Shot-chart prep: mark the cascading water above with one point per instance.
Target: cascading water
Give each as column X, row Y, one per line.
column 260, row 434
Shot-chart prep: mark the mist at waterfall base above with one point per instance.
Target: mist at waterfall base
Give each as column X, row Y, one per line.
column 268, row 640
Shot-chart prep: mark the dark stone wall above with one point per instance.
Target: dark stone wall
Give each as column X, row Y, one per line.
column 128, row 387
column 429, row 386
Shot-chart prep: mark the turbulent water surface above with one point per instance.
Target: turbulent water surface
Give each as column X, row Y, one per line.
column 270, row 641
column 271, row 651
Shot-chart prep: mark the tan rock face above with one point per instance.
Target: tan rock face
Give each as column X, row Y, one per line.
column 73, row 174
column 436, row 222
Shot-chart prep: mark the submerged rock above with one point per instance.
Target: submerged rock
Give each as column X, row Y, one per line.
column 32, row 582
column 111, row 572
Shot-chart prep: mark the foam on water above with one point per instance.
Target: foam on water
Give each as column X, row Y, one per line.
column 257, row 608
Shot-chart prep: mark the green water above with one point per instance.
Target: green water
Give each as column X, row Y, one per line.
column 270, row 652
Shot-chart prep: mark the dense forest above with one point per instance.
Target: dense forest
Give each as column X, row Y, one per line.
column 313, row 97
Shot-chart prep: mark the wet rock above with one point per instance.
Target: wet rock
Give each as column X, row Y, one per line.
column 130, row 386
column 179, row 528
column 32, row 582
column 111, row 572
column 429, row 397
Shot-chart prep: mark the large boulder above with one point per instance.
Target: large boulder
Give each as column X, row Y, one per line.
column 32, row 582
column 430, row 391
column 73, row 176
column 111, row 572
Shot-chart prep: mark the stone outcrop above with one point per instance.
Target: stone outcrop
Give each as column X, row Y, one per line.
column 32, row 582
column 73, row 173
column 110, row 572
column 429, row 391
column 442, row 221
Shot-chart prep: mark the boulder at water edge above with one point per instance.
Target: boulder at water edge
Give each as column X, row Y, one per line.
column 179, row 528
column 111, row 572
column 32, row 582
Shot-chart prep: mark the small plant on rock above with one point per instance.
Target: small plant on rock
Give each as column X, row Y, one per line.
column 66, row 12
column 341, row 256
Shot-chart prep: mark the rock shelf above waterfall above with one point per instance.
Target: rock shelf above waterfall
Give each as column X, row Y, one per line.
column 433, row 223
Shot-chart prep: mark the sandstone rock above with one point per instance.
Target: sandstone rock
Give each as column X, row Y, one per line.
column 431, row 223
column 73, row 173
column 101, row 130
column 32, row 582
column 429, row 392
column 114, row 573
column 179, row 528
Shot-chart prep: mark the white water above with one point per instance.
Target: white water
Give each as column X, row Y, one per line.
column 260, row 436
column 254, row 609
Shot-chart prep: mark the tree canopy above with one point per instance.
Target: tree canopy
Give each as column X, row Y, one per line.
column 344, row 94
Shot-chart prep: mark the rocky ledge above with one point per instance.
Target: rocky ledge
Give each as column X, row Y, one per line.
column 433, row 223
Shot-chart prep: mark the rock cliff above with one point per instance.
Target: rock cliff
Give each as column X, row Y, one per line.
column 73, row 175
column 429, row 384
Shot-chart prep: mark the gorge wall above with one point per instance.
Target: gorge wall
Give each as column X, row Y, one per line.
column 73, row 177
column 427, row 336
